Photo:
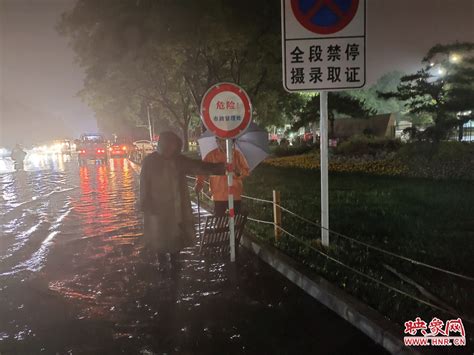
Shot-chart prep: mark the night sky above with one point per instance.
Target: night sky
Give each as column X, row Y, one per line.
column 39, row 79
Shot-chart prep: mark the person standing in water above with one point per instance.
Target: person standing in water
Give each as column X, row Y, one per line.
column 165, row 201
column 18, row 156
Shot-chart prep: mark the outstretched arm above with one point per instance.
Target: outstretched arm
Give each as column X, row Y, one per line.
column 199, row 167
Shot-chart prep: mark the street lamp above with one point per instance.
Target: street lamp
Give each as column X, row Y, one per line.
column 150, row 129
column 454, row 58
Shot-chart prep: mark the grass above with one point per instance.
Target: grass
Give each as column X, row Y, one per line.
column 427, row 220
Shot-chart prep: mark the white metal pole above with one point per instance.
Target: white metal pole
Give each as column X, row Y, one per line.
column 149, row 123
column 323, row 133
column 230, row 182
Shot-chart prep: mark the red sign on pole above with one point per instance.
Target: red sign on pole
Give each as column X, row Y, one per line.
column 226, row 110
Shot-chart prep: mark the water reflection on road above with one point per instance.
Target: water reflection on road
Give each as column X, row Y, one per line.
column 73, row 278
column 50, row 211
column 57, row 199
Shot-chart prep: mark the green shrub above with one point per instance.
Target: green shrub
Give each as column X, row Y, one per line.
column 442, row 151
column 443, row 160
column 427, row 220
column 364, row 145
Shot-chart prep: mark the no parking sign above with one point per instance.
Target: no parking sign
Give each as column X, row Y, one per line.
column 323, row 44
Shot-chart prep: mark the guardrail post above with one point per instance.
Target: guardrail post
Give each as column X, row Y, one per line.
column 277, row 214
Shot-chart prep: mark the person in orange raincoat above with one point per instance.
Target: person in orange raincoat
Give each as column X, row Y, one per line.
column 218, row 184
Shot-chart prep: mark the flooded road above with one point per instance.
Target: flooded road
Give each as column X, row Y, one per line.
column 73, row 279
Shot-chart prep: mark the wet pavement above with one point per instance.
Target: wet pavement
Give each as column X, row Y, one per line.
column 74, row 279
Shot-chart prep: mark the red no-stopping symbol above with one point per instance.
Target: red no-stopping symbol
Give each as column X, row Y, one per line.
column 324, row 16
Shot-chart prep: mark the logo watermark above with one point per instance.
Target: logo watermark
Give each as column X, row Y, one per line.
column 434, row 333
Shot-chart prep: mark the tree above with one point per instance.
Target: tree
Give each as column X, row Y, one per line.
column 338, row 104
column 443, row 88
column 386, row 83
column 169, row 53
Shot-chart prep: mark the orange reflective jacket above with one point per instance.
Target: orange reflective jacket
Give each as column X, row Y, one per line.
column 219, row 183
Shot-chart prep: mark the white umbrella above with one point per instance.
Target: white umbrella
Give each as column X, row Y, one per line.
column 253, row 145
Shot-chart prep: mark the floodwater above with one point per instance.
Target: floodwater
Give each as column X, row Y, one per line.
column 73, row 279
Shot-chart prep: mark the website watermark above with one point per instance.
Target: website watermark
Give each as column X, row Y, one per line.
column 434, row 333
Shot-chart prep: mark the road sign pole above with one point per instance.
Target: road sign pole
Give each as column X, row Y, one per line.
column 331, row 33
column 150, row 131
column 226, row 111
column 323, row 133
column 230, row 178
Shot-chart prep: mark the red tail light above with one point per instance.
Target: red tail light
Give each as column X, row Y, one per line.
column 100, row 151
column 124, row 148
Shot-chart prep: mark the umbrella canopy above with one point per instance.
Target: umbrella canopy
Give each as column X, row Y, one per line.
column 253, row 144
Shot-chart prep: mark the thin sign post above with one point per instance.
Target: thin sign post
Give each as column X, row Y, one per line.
column 226, row 111
column 230, row 184
column 323, row 137
column 323, row 49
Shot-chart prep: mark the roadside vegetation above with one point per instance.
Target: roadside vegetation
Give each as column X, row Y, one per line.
column 424, row 219
column 387, row 157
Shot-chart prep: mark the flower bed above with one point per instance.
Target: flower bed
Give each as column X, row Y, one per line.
column 385, row 167
column 449, row 160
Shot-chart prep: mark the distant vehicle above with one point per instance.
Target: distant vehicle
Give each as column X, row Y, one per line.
column 118, row 150
column 66, row 146
column 141, row 149
column 121, row 147
column 144, row 145
column 62, row 146
column 92, row 147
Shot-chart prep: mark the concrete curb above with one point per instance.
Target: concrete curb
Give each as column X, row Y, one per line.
column 361, row 316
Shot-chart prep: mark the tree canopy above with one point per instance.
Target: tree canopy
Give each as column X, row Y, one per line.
column 339, row 104
column 443, row 88
column 161, row 56
column 386, row 83
column 167, row 54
